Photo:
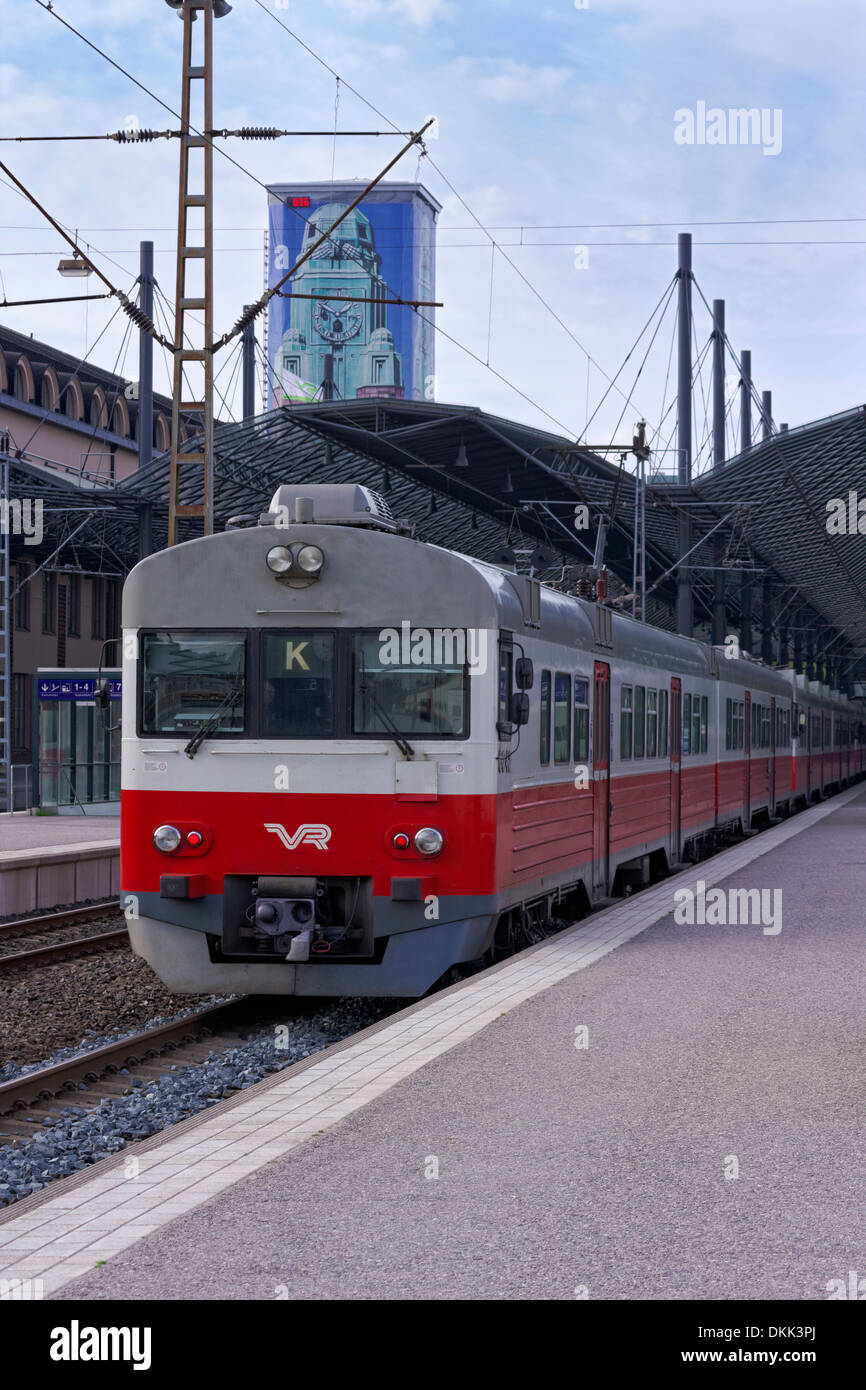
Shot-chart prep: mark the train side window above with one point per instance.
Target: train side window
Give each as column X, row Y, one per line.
column 544, row 707
column 741, row 724
column 639, row 720
column 561, row 717
column 696, row 724
column 663, row 723
column 765, row 727
column 729, row 723
column 625, row 722
column 651, row 723
column 687, row 725
column 581, row 719
column 705, row 703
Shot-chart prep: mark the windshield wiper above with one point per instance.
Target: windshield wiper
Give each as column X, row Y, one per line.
column 366, row 689
column 210, row 724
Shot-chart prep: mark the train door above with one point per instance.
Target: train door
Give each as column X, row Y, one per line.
column 747, row 763
column 601, row 778
column 772, row 800
column 676, row 752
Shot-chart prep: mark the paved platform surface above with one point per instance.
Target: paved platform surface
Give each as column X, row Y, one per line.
column 47, row 832
column 707, row 1143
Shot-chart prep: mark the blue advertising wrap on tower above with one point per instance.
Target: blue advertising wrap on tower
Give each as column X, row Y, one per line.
column 344, row 342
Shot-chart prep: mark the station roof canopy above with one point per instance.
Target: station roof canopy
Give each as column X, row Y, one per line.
column 505, row 491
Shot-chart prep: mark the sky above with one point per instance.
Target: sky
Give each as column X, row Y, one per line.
column 570, row 130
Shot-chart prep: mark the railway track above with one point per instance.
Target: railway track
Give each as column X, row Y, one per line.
column 60, row 950
column 27, row 1101
column 46, row 920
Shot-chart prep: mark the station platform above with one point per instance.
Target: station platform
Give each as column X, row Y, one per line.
column 48, row 861
column 639, row 1108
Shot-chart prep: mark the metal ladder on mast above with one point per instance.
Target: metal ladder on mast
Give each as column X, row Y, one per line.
column 182, row 463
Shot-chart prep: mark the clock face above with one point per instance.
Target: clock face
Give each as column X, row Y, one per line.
column 336, row 320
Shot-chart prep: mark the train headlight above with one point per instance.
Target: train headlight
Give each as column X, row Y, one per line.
column 279, row 559
column 167, row 838
column 310, row 559
column 428, row 840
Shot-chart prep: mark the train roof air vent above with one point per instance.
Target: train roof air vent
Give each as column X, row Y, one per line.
column 329, row 504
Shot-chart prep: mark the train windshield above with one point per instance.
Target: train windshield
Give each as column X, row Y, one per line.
column 410, row 682
column 298, row 692
column 191, row 678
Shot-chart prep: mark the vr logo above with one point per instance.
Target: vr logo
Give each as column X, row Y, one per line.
column 317, row 835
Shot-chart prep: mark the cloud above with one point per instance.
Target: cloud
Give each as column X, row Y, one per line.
column 540, row 123
column 421, row 13
column 507, row 82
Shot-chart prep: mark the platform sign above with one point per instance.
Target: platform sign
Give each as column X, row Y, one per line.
column 53, row 688
column 343, row 342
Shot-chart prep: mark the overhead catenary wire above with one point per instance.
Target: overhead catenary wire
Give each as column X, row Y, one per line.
column 58, row 299
column 119, row 364
column 129, row 306
column 139, row 135
column 369, row 104
column 47, row 6
column 453, row 246
column 73, row 377
column 529, row 226
column 249, row 315
column 665, row 295
column 445, row 180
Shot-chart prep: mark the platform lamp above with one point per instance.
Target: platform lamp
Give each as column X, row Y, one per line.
column 462, row 459
column 220, row 8
column 73, row 265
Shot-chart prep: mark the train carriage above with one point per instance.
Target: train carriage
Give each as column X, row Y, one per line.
column 352, row 760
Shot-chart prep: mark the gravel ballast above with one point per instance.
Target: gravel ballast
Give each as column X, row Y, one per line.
column 75, row 1138
column 51, row 1007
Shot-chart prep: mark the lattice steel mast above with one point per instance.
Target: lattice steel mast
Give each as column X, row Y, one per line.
column 193, row 353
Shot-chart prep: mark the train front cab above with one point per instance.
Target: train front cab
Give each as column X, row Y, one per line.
column 285, row 821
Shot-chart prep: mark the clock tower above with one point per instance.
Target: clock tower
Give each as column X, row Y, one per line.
column 355, row 335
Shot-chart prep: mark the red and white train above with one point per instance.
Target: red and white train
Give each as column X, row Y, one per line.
column 353, row 760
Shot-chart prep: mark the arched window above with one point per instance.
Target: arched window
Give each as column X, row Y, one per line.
column 4, row 378
column 50, row 390
column 120, row 418
column 23, row 389
column 98, row 409
column 161, row 434
column 73, row 399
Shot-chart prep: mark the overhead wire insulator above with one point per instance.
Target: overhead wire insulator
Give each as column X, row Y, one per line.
column 142, row 136
column 251, row 132
column 138, row 316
